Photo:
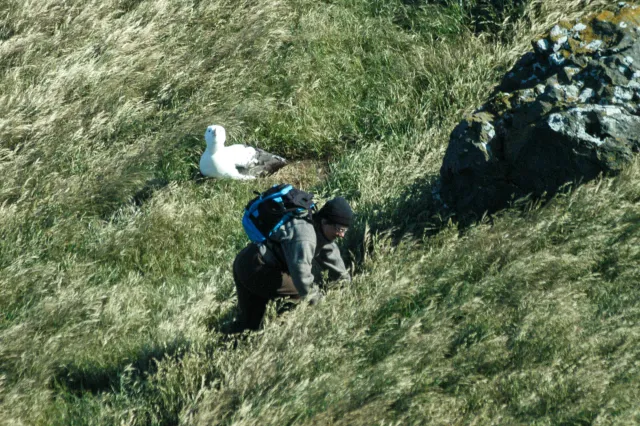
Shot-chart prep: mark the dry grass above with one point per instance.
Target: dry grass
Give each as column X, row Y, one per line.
column 116, row 256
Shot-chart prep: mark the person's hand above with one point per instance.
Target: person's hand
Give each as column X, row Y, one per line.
column 314, row 298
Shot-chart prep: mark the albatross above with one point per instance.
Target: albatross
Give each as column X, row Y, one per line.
column 235, row 161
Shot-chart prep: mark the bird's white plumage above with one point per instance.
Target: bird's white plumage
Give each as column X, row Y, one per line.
column 244, row 156
column 222, row 161
column 228, row 161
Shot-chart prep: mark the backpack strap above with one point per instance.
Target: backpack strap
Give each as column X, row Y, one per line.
column 276, row 250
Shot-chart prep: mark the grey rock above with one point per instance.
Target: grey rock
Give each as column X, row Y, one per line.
column 586, row 95
column 578, row 28
column 571, row 92
column 594, row 45
column 542, row 45
column 560, row 44
column 557, row 32
column 566, row 74
column 566, row 112
column 622, row 94
column 556, row 59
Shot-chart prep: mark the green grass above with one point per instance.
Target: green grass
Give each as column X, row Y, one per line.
column 115, row 255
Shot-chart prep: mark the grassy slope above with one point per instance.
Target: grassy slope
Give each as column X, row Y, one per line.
column 116, row 259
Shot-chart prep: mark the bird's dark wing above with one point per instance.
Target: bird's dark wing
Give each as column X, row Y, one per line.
column 264, row 164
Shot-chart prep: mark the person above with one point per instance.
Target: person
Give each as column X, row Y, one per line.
column 289, row 264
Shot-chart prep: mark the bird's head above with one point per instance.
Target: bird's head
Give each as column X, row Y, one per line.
column 215, row 136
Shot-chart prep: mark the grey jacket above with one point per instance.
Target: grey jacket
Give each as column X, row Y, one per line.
column 302, row 244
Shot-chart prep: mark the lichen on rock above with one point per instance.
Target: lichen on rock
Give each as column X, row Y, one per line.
column 567, row 111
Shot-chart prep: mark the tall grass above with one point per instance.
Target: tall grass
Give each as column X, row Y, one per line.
column 115, row 254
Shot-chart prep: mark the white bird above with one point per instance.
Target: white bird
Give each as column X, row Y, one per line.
column 235, row 161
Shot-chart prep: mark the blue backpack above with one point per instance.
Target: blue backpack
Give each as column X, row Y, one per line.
column 274, row 207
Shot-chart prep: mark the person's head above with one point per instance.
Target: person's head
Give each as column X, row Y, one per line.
column 335, row 218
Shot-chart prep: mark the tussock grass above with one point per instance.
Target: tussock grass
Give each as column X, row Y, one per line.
column 115, row 255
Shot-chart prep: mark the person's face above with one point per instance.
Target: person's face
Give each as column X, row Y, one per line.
column 333, row 230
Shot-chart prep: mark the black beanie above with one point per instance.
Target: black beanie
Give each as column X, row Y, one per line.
column 337, row 211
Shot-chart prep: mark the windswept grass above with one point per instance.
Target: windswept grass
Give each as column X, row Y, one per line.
column 115, row 255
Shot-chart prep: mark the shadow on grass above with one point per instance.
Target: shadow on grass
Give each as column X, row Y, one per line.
column 416, row 212
column 148, row 173
column 93, row 377
column 228, row 325
column 632, row 226
column 225, row 322
column 145, row 193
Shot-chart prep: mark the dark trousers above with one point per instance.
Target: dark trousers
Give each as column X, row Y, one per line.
column 256, row 284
